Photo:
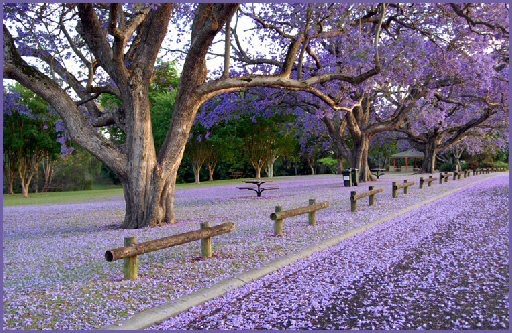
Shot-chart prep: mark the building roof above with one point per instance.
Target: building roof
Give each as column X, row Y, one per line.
column 411, row 153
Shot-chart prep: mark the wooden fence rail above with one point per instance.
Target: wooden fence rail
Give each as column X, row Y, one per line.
column 429, row 181
column 370, row 194
column 459, row 174
column 405, row 185
column 132, row 249
column 281, row 214
column 443, row 178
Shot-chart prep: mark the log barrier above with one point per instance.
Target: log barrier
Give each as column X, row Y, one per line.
column 457, row 175
column 429, row 181
column 279, row 215
column 370, row 194
column 405, row 186
column 443, row 178
column 132, row 249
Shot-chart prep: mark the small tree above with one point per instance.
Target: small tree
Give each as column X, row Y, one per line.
column 29, row 135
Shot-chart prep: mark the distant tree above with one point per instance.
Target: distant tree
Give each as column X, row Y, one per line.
column 198, row 150
column 30, row 136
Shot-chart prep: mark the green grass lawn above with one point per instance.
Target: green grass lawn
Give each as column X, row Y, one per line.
column 61, row 197
column 99, row 193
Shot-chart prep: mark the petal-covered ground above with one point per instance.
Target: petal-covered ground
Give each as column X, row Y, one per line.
column 56, row 277
column 443, row 266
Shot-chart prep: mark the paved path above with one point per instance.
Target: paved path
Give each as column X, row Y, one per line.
column 443, row 266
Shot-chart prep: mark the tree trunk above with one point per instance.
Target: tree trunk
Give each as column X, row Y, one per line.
column 339, row 168
column 197, row 172
column 429, row 162
column 456, row 156
column 144, row 195
column 360, row 157
column 336, row 135
column 270, row 167
column 11, row 190
column 211, row 169
column 24, row 188
column 48, row 173
column 258, row 172
column 36, row 182
column 10, row 174
column 26, row 171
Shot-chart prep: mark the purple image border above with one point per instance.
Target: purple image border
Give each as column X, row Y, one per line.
column 260, row 1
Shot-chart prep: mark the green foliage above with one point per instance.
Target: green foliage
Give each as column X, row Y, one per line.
column 165, row 77
column 29, row 135
column 380, row 154
column 502, row 156
column 501, row 164
column 77, row 171
column 162, row 97
column 446, row 167
column 162, row 107
column 330, row 163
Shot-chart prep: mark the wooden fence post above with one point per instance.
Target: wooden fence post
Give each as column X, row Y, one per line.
column 440, row 177
column 421, row 182
column 395, row 190
column 312, row 215
column 406, row 188
column 278, row 224
column 131, row 267
column 353, row 202
column 430, row 182
column 371, row 198
column 206, row 243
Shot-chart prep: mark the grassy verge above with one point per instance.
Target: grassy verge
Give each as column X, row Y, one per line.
column 61, row 197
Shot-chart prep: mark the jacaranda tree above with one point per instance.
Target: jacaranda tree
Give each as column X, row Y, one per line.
column 116, row 47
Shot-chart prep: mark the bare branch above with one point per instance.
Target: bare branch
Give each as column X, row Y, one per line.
column 227, row 49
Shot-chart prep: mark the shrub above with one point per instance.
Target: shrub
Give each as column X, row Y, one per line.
column 501, row 164
column 330, row 163
column 446, row 167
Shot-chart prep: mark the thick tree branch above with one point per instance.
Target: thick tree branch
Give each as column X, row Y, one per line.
column 150, row 35
column 227, row 49
column 91, row 31
column 79, row 128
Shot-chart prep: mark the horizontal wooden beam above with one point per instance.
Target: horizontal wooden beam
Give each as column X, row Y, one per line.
column 298, row 211
column 367, row 194
column 162, row 243
column 402, row 185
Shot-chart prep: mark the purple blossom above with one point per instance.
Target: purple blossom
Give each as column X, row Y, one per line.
column 77, row 289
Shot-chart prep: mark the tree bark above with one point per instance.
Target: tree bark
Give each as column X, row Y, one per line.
column 431, row 150
column 339, row 168
column 270, row 167
column 170, row 241
column 9, row 173
column 197, row 172
column 311, row 164
column 360, row 157
column 27, row 168
column 48, row 173
column 211, row 170
column 258, row 172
